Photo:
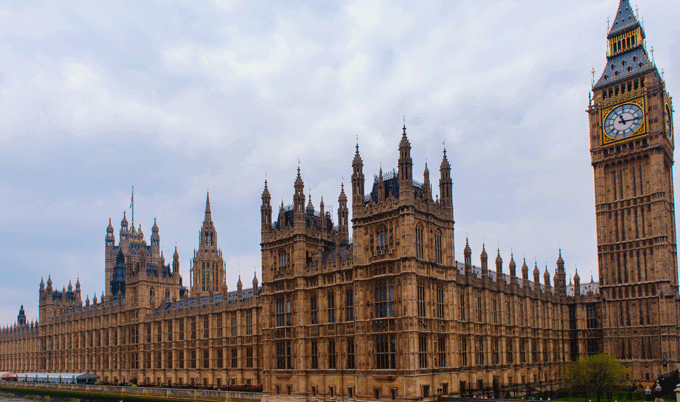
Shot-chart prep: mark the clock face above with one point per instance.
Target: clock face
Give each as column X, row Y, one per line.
column 623, row 121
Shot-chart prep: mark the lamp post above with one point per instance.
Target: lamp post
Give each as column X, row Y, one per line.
column 648, row 393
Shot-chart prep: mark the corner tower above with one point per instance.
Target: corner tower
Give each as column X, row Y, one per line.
column 631, row 147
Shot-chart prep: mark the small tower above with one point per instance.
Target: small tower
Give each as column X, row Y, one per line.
column 560, row 276
column 255, row 284
column 357, row 182
column 155, row 239
column 21, row 318
column 512, row 266
column 467, row 253
column 299, row 204
column 484, row 258
column 175, row 262
column 525, row 271
column 546, row 278
column 537, row 274
column 110, row 238
column 239, row 289
column 499, row 265
column 446, row 186
column 577, row 284
column 343, row 216
column 266, row 210
column 405, row 169
column 427, row 188
column 124, row 231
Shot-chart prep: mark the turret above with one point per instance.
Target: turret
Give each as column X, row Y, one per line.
column 577, row 284
column 175, row 262
column 525, row 270
column 21, row 318
column 546, row 278
column 446, row 186
column 560, row 276
column 427, row 189
column 42, row 288
column 357, row 182
column 49, row 284
column 155, row 239
column 239, row 289
column 255, row 285
column 266, row 209
column 322, row 216
column 405, row 169
column 499, row 265
column 484, row 257
column 381, row 186
column 343, row 216
column 110, row 239
column 537, row 274
column 124, row 231
column 78, row 289
column 299, row 204
column 467, row 254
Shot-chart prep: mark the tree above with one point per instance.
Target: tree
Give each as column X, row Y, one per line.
column 597, row 373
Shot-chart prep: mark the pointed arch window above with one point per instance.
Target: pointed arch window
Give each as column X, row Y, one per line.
column 438, row 247
column 382, row 239
column 419, row 241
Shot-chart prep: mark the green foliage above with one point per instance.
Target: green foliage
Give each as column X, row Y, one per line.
column 597, row 373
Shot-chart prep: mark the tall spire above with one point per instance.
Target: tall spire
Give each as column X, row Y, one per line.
column 625, row 19
column 132, row 206
column 208, row 214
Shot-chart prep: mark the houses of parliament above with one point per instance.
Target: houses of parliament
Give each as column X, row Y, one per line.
column 390, row 313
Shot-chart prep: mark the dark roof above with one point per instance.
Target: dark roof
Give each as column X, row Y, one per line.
column 617, row 67
column 625, row 20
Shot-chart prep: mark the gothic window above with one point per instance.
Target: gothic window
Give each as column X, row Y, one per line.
column 441, row 351
column 283, row 312
column 350, row 305
column 331, row 354
column 331, row 307
column 419, row 241
column 315, row 355
column 384, row 300
column 350, row 353
column 234, row 358
column 509, row 354
column 421, row 300
column 382, row 239
column 480, row 312
column 249, row 357
column 438, row 247
column 218, row 325
column 283, row 260
column 463, row 351
column 495, row 351
column 480, row 351
column 422, row 351
column 233, row 324
column 440, row 302
column 249, row 323
column 462, row 307
column 313, row 310
column 385, row 352
column 206, row 327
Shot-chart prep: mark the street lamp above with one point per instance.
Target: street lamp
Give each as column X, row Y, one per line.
column 648, row 393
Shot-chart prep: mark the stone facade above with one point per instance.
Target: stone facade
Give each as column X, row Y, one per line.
column 390, row 314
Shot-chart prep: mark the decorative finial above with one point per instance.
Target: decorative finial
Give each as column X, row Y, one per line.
column 652, row 51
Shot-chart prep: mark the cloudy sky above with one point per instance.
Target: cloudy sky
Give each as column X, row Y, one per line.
column 177, row 98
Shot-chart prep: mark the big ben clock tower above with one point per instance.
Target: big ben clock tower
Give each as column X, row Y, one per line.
column 631, row 148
